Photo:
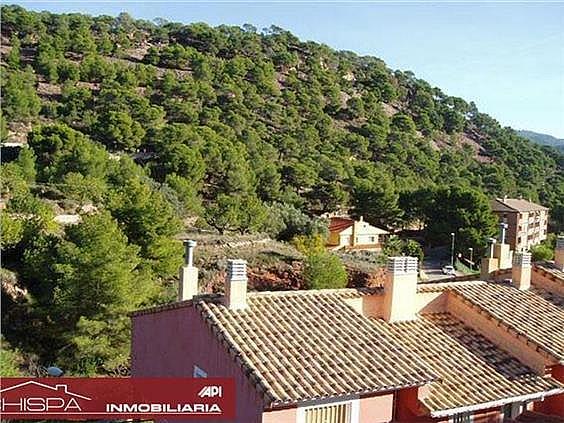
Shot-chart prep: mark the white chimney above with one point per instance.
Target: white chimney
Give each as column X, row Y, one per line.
column 559, row 253
column 400, row 289
column 188, row 274
column 489, row 263
column 236, row 285
column 521, row 270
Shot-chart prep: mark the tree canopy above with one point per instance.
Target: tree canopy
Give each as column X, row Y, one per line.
column 234, row 110
column 138, row 128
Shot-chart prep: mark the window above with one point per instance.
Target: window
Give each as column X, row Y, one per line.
column 372, row 239
column 199, row 372
column 462, row 418
column 339, row 413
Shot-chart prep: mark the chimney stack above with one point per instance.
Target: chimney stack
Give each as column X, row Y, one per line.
column 188, row 286
column 236, row 285
column 400, row 289
column 559, row 253
column 490, row 263
column 501, row 250
column 521, row 271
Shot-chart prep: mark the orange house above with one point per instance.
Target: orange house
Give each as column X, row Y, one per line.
column 465, row 351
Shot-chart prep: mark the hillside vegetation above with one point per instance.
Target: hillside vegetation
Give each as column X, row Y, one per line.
column 543, row 139
column 145, row 129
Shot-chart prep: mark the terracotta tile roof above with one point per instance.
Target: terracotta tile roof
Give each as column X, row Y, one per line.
column 441, row 286
column 530, row 315
column 550, row 268
column 497, row 205
column 549, row 296
column 473, row 372
column 515, row 204
column 338, row 224
column 305, row 345
column 175, row 305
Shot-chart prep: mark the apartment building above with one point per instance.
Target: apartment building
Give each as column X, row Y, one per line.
column 465, row 351
column 526, row 221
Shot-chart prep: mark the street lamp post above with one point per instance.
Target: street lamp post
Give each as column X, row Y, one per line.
column 452, row 250
column 503, row 227
column 471, row 256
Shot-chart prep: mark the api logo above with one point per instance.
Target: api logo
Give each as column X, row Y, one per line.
column 211, row 391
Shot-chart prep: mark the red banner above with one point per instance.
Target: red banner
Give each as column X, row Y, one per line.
column 117, row 398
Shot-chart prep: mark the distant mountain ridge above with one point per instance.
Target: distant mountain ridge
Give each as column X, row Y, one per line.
column 543, row 139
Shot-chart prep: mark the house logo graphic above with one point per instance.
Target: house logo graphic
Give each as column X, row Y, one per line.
column 37, row 397
column 123, row 398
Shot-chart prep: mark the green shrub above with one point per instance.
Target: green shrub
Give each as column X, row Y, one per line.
column 398, row 247
column 10, row 361
column 542, row 252
column 323, row 270
column 286, row 222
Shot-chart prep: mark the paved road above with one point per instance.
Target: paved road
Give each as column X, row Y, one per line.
column 433, row 264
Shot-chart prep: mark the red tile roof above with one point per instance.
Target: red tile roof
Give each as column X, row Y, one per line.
column 338, row 224
column 527, row 313
column 296, row 346
column 292, row 351
column 515, row 204
column 305, row 345
column 550, row 268
column 473, row 372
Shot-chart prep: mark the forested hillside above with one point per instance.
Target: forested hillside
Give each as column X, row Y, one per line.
column 145, row 129
column 543, row 139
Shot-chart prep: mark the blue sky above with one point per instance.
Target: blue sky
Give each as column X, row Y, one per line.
column 507, row 57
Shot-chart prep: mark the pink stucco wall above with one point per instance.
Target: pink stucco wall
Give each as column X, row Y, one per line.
column 171, row 342
column 288, row 415
column 378, row 409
